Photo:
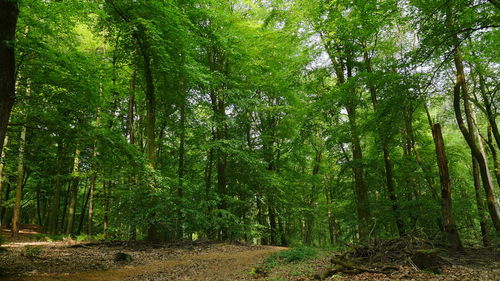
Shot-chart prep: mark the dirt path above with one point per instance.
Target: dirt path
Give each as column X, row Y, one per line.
column 230, row 263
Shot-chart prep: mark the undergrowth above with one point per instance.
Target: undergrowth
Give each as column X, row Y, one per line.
column 294, row 255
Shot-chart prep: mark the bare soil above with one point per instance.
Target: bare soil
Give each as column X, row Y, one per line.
column 71, row 261
column 68, row 260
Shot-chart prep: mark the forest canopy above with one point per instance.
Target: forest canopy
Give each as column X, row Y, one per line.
column 275, row 122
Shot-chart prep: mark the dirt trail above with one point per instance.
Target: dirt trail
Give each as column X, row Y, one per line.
column 223, row 265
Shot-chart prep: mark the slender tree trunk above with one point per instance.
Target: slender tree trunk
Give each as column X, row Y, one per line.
column 446, row 206
column 458, row 91
column 282, row 230
column 82, row 213
column 3, row 215
column 67, row 196
column 389, row 175
column 74, row 191
column 328, row 199
column 2, row 176
column 106, row 188
column 150, row 110
column 494, row 155
column 488, row 107
column 93, row 180
column 181, row 170
column 361, row 190
column 9, row 13
column 16, row 217
column 54, row 211
column 479, row 203
column 131, row 136
column 310, row 217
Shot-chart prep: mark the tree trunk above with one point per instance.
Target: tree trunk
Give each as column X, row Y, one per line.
column 9, row 13
column 460, row 89
column 131, row 106
column 310, row 217
column 389, row 175
column 181, row 170
column 73, row 191
column 3, row 215
column 479, row 203
column 67, row 195
column 106, row 190
column 488, row 107
column 54, row 211
column 2, row 176
column 93, row 180
column 446, row 206
column 82, row 213
column 150, row 110
column 360, row 190
column 494, row 155
column 16, row 217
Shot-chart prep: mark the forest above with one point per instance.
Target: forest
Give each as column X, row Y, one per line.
column 292, row 123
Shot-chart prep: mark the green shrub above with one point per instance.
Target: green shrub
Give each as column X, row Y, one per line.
column 32, row 251
column 83, row 238
column 290, row 256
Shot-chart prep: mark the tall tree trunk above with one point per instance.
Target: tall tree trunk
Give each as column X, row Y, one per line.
column 460, row 92
column 58, row 182
column 93, row 180
column 3, row 215
column 389, row 175
column 479, row 203
column 131, row 136
column 131, row 106
column 282, row 230
column 181, row 170
column 106, row 189
column 67, row 196
column 310, row 217
column 82, row 213
column 361, row 190
column 150, row 110
column 16, row 217
column 73, row 191
column 446, row 206
column 494, row 154
column 490, row 115
column 2, row 176
column 9, row 13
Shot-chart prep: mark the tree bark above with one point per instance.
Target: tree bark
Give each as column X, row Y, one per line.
column 460, row 92
column 93, row 180
column 73, row 191
column 2, row 176
column 9, row 13
column 310, row 217
column 361, row 190
column 16, row 217
column 106, row 190
column 460, row 89
column 54, row 211
column 446, row 206
column 389, row 174
column 182, row 152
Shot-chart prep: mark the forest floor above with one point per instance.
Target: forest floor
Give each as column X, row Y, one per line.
column 32, row 260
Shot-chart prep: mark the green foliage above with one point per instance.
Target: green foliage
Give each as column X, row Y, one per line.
column 254, row 130
column 294, row 255
column 32, row 251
